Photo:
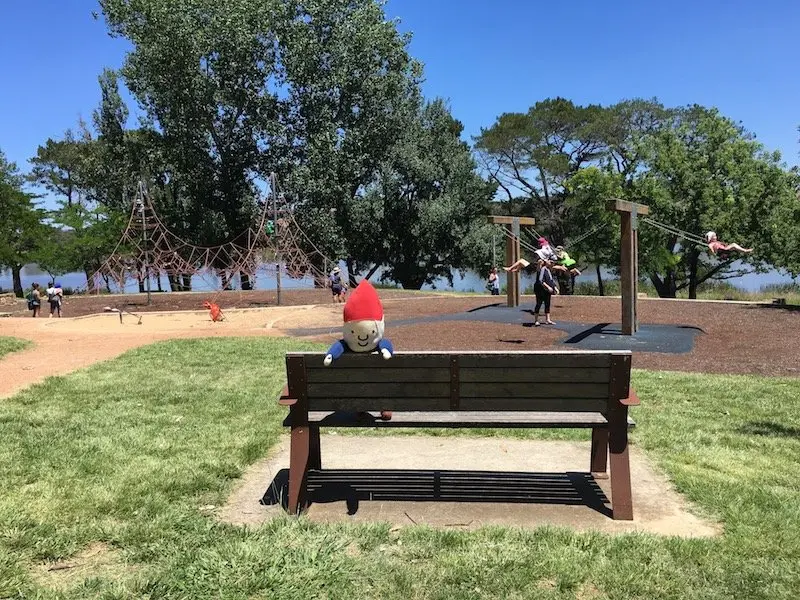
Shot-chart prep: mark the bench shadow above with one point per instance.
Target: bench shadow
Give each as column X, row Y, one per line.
column 354, row 486
column 770, row 428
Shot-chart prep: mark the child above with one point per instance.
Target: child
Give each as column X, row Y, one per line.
column 544, row 288
column 494, row 282
column 716, row 246
column 545, row 251
column 517, row 266
column 565, row 262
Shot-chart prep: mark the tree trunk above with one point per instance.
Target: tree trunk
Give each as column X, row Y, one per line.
column 351, row 273
column 141, row 284
column 158, row 282
column 225, row 280
column 666, row 287
column 91, row 287
column 187, row 283
column 693, row 259
column 16, row 276
column 601, row 289
column 174, row 282
column 246, row 283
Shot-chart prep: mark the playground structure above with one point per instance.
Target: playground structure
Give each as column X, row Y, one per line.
column 512, row 227
column 629, row 213
column 275, row 242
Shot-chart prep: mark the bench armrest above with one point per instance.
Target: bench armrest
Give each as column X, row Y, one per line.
column 632, row 399
column 284, row 399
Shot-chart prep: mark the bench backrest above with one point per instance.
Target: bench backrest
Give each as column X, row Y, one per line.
column 475, row 381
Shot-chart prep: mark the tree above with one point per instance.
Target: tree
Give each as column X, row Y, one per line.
column 206, row 77
column 706, row 172
column 427, row 205
column 21, row 228
column 532, row 155
column 312, row 90
column 591, row 223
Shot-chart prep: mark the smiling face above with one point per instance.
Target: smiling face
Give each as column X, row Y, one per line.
column 363, row 336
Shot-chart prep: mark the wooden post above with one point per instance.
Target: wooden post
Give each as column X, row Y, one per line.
column 513, row 251
column 629, row 260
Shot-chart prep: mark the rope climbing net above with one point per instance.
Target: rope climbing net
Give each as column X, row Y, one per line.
column 147, row 248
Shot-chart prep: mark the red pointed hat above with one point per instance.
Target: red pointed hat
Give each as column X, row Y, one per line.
column 363, row 304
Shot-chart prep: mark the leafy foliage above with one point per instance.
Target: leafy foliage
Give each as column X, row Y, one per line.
column 427, row 205
column 21, row 226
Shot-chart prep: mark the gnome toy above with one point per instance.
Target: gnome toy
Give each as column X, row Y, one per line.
column 363, row 325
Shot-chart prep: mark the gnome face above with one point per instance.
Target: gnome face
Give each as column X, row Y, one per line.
column 363, row 319
column 363, row 336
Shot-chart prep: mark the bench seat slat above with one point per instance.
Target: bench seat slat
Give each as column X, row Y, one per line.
column 505, row 389
column 384, row 389
column 380, row 374
column 464, row 419
column 487, row 374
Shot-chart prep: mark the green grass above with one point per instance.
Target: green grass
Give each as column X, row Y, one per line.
column 123, row 457
column 11, row 344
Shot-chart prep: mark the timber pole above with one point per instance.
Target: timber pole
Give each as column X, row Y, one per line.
column 629, row 260
column 513, row 252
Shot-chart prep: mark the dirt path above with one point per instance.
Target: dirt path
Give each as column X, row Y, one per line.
column 61, row 346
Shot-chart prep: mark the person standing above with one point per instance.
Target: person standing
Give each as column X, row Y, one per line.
column 55, row 295
column 35, row 300
column 494, row 282
column 337, row 285
column 544, row 288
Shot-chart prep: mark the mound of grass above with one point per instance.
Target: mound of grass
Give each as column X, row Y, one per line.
column 11, row 344
column 109, row 475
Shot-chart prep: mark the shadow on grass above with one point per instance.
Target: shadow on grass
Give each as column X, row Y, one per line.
column 770, row 428
column 353, row 486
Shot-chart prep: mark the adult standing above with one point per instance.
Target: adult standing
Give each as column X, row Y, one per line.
column 494, row 282
column 338, row 288
column 544, row 288
column 35, row 300
column 55, row 297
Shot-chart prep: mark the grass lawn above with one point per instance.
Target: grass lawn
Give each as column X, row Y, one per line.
column 111, row 472
column 10, row 344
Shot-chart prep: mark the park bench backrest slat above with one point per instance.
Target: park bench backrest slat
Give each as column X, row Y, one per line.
column 475, row 381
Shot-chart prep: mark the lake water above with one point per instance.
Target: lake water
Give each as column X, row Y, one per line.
column 266, row 280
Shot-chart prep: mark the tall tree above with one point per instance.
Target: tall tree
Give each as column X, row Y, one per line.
column 426, row 209
column 532, row 155
column 313, row 90
column 21, row 227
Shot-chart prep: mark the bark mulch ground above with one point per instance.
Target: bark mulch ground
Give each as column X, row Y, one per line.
column 735, row 337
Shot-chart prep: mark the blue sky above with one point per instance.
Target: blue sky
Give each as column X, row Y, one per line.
column 486, row 57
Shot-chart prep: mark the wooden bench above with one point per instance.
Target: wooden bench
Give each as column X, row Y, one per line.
column 463, row 389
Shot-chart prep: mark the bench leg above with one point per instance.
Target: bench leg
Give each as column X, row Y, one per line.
column 315, row 454
column 621, row 498
column 299, row 453
column 599, row 456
